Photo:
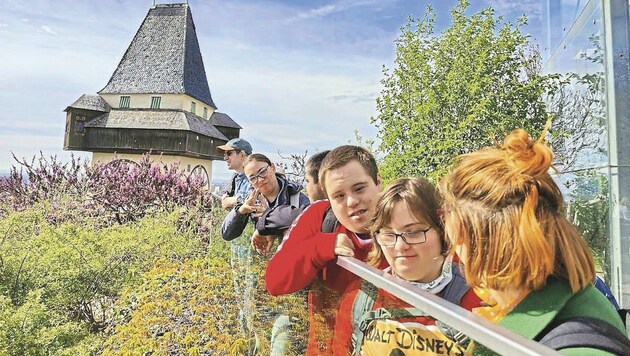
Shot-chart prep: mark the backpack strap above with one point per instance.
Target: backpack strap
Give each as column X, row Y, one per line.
column 294, row 200
column 329, row 224
column 363, row 303
column 623, row 314
column 232, row 191
column 585, row 332
column 602, row 287
column 455, row 290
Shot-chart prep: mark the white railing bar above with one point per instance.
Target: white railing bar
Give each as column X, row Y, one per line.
column 477, row 328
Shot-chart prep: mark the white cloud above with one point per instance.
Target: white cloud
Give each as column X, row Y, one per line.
column 320, row 11
column 48, row 29
column 340, row 6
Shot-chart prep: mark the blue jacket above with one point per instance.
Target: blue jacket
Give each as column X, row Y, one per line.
column 275, row 220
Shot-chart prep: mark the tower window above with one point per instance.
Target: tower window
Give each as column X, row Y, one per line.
column 155, row 102
column 205, row 112
column 193, row 107
column 125, row 100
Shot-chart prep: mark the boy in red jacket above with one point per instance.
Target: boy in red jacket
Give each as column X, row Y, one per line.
column 349, row 177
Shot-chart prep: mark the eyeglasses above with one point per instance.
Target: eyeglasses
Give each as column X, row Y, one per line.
column 262, row 174
column 228, row 153
column 411, row 237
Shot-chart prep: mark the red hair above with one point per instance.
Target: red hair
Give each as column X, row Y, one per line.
column 502, row 205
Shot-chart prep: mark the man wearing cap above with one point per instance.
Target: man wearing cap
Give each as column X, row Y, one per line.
column 235, row 152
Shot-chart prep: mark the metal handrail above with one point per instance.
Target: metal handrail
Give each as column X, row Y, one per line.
column 477, row 328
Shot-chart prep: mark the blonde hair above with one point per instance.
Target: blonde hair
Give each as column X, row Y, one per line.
column 423, row 202
column 502, row 205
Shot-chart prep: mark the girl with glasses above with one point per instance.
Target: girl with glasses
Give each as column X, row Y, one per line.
column 272, row 205
column 409, row 236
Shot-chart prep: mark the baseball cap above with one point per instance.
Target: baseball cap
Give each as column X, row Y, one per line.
column 237, row 144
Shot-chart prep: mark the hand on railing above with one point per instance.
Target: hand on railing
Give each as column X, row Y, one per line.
column 344, row 246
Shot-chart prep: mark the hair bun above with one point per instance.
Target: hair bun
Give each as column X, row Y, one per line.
column 526, row 155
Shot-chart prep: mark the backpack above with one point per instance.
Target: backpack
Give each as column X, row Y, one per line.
column 363, row 315
column 294, row 200
column 330, row 222
column 603, row 288
column 585, row 332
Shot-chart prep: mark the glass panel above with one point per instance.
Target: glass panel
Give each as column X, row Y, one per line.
column 558, row 19
column 580, row 124
column 587, row 207
column 581, row 136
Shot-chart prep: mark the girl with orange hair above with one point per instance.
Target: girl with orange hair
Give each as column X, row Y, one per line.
column 503, row 214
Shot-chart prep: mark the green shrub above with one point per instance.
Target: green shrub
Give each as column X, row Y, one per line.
column 59, row 283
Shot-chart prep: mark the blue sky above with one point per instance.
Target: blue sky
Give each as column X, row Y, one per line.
column 297, row 75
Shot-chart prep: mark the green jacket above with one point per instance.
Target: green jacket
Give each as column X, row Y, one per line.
column 557, row 301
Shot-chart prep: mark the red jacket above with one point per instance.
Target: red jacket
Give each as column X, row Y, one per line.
column 383, row 336
column 307, row 255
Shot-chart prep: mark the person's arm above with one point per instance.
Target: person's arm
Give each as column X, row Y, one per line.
column 302, row 255
column 233, row 224
column 228, row 202
column 277, row 220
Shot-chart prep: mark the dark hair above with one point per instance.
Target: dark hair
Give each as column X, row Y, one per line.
column 343, row 155
column 314, row 163
column 258, row 157
column 421, row 199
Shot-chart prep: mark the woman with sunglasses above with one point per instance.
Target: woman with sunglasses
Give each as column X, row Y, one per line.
column 409, row 235
column 272, row 206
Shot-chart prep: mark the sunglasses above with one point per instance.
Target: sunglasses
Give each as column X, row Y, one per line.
column 229, row 153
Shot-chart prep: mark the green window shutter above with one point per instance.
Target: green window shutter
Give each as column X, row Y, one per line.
column 125, row 101
column 155, row 102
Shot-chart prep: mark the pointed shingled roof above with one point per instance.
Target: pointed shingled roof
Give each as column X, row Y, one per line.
column 90, row 102
column 221, row 119
column 163, row 58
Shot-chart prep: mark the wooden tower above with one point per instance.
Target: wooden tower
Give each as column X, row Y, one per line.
column 158, row 100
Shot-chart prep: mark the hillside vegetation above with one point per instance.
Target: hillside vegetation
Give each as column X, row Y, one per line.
column 127, row 262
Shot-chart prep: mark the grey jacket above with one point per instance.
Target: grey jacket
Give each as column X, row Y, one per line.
column 275, row 220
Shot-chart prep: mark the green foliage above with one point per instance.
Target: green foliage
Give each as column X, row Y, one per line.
column 454, row 92
column 150, row 286
column 58, row 283
column 193, row 308
column 33, row 328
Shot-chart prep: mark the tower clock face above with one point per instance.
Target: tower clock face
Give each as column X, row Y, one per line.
column 79, row 126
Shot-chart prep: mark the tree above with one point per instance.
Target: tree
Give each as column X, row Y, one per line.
column 456, row 92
